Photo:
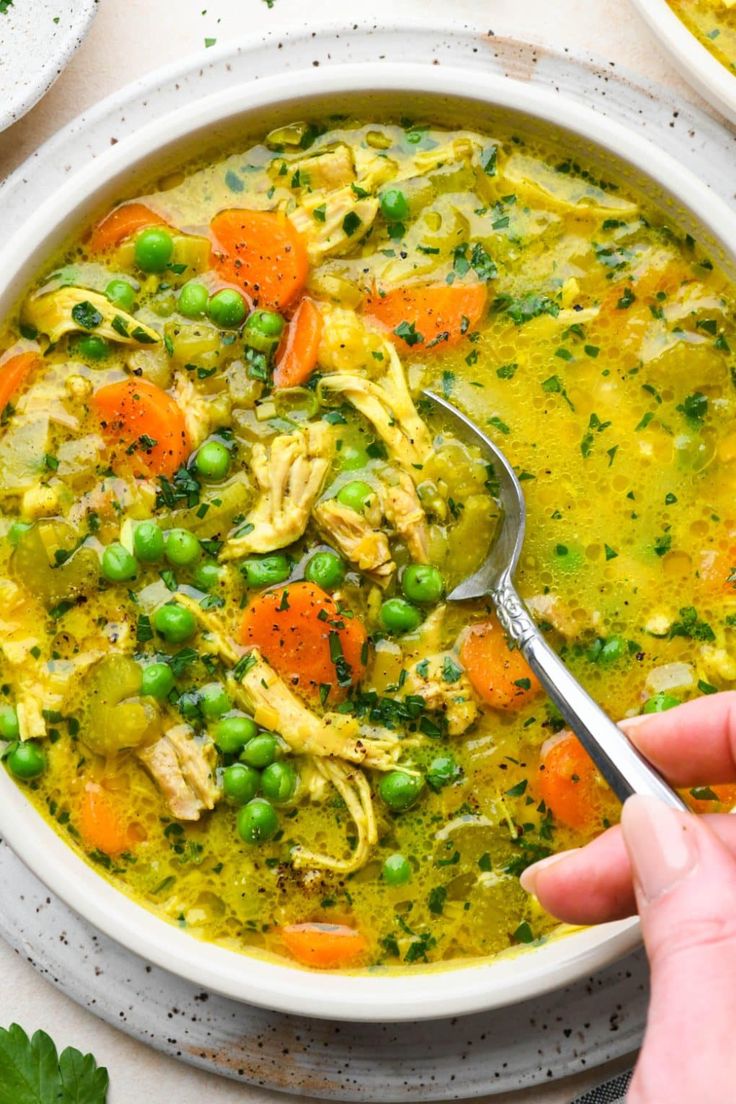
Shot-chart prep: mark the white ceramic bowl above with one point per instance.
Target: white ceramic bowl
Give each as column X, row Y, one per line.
column 441, row 94
column 695, row 62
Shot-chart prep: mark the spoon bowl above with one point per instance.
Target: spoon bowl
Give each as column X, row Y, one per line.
column 623, row 767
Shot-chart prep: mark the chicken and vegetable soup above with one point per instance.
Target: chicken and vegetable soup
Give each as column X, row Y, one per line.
column 713, row 22
column 229, row 520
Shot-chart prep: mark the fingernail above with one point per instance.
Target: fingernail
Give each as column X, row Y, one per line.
column 660, row 843
column 528, row 877
column 633, row 722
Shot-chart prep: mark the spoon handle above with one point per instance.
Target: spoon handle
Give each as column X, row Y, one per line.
column 624, row 769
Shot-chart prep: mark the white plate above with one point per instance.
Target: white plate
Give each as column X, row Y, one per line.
column 695, row 62
column 37, row 39
column 431, row 91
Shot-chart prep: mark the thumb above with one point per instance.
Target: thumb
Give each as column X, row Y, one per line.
column 685, row 884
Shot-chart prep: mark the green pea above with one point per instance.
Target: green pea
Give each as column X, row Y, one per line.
column 257, row 821
column 278, row 782
column 352, row 457
column 181, row 547
column 92, row 347
column 207, row 574
column 148, row 542
column 117, row 564
column 240, row 783
column 16, row 531
column 154, row 249
column 355, row 495
column 27, row 761
column 261, row 751
column 213, row 700
column 422, row 583
column 399, row 616
column 266, row 570
column 226, row 308
column 442, row 771
column 175, row 623
column 394, row 205
column 192, row 301
column 396, row 870
column 157, row 681
column 233, row 733
column 263, row 330
column 9, row 727
column 325, row 569
column 121, row 294
column 399, row 790
column 660, row 703
column 212, row 460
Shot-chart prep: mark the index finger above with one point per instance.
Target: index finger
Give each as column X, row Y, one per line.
column 693, row 744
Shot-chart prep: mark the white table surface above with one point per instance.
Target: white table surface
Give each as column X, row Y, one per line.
column 129, row 39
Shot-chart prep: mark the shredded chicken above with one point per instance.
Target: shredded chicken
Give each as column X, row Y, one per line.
column 114, row 496
column 184, row 771
column 405, row 513
column 227, row 648
column 353, row 788
column 334, row 746
column 446, row 689
column 195, row 408
column 326, row 171
column 275, row 707
column 568, row 621
column 360, row 542
column 347, row 344
column 346, row 222
column 39, row 686
column 290, row 476
column 388, row 406
column 70, row 309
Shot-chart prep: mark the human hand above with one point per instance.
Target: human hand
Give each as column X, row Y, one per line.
column 679, row 871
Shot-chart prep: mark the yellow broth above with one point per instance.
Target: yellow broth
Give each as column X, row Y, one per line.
column 601, row 362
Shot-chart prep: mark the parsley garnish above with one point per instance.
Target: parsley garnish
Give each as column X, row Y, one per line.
column 86, row 315
column 33, row 1072
column 407, row 332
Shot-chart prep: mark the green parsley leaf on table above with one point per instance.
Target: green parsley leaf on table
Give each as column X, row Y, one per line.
column 32, row 1072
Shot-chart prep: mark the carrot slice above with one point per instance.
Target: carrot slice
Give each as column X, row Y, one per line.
column 144, row 426
column 569, row 783
column 324, row 946
column 724, row 795
column 262, row 253
column 500, row 675
column 13, row 374
column 100, row 824
column 428, row 317
column 307, row 640
column 122, row 223
column 299, row 358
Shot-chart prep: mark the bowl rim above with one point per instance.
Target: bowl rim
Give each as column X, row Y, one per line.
column 375, row 995
column 694, row 61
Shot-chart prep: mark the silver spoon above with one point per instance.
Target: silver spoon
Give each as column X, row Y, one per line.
column 624, row 769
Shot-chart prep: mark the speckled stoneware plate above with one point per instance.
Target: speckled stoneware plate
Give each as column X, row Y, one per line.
column 37, row 39
column 579, row 1027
